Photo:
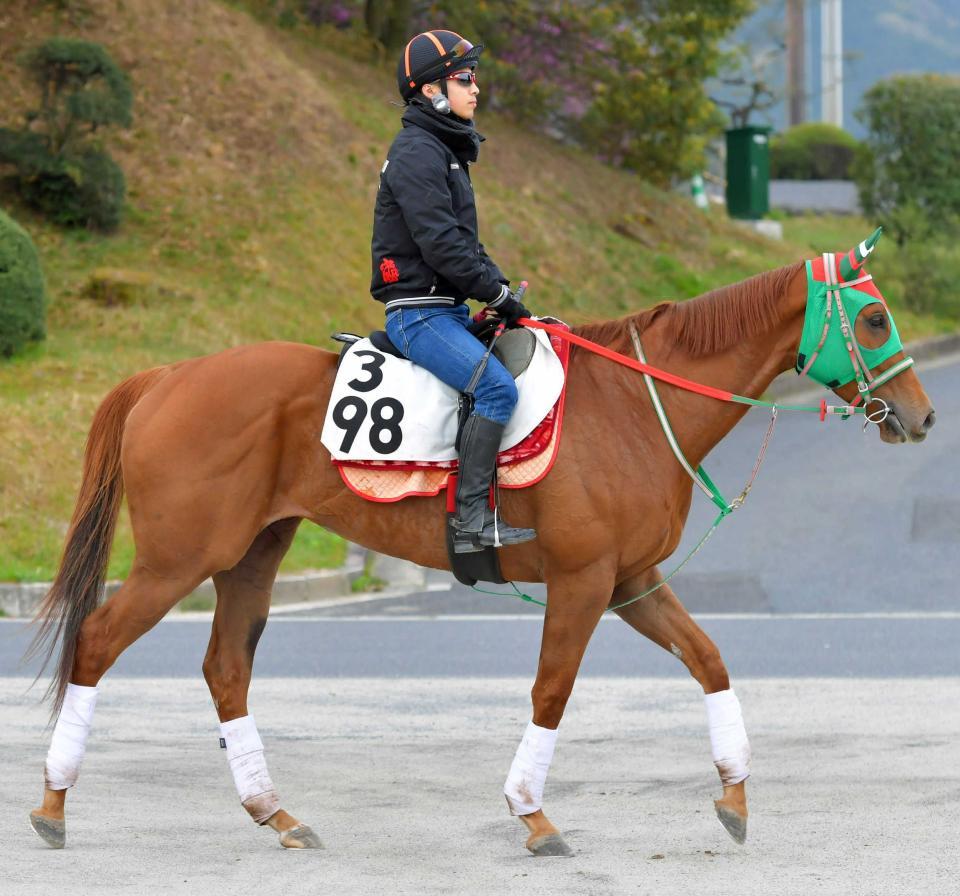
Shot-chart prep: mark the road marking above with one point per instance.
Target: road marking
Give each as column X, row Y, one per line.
column 710, row 617
column 906, row 616
column 922, row 615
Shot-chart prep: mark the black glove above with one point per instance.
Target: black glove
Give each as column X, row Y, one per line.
column 511, row 311
column 509, row 308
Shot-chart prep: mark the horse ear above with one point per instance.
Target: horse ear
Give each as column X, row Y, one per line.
column 851, row 263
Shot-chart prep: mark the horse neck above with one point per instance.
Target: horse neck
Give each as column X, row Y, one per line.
column 745, row 368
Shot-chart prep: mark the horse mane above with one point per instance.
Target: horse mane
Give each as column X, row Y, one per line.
column 712, row 322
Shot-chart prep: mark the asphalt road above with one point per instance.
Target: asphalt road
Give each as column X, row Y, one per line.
column 315, row 647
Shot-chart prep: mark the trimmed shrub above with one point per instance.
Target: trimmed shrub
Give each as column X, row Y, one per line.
column 22, row 292
column 81, row 89
column 82, row 190
column 909, row 171
column 813, row 151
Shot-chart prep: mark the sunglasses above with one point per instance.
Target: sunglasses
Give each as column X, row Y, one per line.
column 465, row 79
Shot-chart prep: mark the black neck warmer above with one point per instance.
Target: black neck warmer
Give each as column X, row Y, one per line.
column 458, row 134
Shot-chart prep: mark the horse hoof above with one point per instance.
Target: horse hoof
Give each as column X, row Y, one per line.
column 549, row 845
column 300, row 837
column 735, row 824
column 52, row 831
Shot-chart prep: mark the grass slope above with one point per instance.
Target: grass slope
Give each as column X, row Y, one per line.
column 252, row 167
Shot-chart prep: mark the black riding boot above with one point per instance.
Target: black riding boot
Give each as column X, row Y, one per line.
column 475, row 523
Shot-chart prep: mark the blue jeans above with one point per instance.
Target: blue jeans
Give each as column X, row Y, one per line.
column 438, row 340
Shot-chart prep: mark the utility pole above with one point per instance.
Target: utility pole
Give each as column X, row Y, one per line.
column 831, row 62
column 796, row 57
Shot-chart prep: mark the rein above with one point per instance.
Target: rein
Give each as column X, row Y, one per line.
column 823, row 409
column 700, row 476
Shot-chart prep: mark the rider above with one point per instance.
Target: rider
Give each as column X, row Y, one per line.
column 428, row 260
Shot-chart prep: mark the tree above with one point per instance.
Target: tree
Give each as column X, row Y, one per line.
column 624, row 79
column 751, row 89
column 909, row 173
column 81, row 90
column 388, row 21
column 60, row 170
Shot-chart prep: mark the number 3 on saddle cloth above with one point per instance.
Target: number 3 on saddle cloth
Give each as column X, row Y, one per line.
column 391, row 426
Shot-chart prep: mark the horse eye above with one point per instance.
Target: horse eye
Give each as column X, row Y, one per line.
column 878, row 321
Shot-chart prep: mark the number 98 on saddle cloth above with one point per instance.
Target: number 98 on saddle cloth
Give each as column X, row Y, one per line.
column 386, row 408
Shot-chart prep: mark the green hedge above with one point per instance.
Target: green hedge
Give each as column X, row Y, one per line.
column 22, row 292
column 812, row 151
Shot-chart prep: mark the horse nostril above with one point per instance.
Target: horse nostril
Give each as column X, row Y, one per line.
column 928, row 423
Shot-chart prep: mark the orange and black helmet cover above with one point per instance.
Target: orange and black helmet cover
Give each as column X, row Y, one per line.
column 427, row 56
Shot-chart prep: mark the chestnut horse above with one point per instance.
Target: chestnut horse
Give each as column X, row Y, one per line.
column 220, row 459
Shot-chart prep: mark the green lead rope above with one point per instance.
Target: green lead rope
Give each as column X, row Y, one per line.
column 522, row 595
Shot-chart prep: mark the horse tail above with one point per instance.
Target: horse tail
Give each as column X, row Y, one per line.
column 80, row 580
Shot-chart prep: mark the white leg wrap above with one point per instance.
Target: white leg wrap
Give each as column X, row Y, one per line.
column 245, row 755
column 728, row 737
column 69, row 741
column 528, row 774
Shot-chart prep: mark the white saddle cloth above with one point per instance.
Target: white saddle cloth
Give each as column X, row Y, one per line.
column 387, row 408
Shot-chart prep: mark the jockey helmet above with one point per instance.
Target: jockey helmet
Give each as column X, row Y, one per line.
column 428, row 55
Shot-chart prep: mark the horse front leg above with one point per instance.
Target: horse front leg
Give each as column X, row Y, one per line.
column 664, row 620
column 575, row 604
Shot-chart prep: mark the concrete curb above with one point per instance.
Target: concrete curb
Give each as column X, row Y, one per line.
column 789, row 384
column 20, row 600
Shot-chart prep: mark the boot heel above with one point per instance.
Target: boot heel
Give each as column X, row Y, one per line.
column 464, row 543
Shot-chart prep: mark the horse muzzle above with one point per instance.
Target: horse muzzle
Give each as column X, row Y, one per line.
column 905, row 425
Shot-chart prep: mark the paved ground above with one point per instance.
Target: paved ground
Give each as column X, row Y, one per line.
column 856, row 790
column 820, row 196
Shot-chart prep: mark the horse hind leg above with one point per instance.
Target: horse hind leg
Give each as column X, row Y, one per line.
column 139, row 604
column 665, row 621
column 243, row 601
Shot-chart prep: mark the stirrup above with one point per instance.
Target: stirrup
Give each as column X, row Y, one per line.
column 492, row 535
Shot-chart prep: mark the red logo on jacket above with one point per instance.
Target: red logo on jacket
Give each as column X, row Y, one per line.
column 388, row 270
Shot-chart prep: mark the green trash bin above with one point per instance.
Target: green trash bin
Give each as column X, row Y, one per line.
column 748, row 171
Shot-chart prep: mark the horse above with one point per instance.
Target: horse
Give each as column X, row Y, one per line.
column 220, row 460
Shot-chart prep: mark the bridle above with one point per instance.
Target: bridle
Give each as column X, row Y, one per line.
column 867, row 382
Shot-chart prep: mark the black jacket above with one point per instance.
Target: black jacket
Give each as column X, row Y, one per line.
column 425, row 247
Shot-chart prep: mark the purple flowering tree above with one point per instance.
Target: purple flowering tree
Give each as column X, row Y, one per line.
column 625, row 79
